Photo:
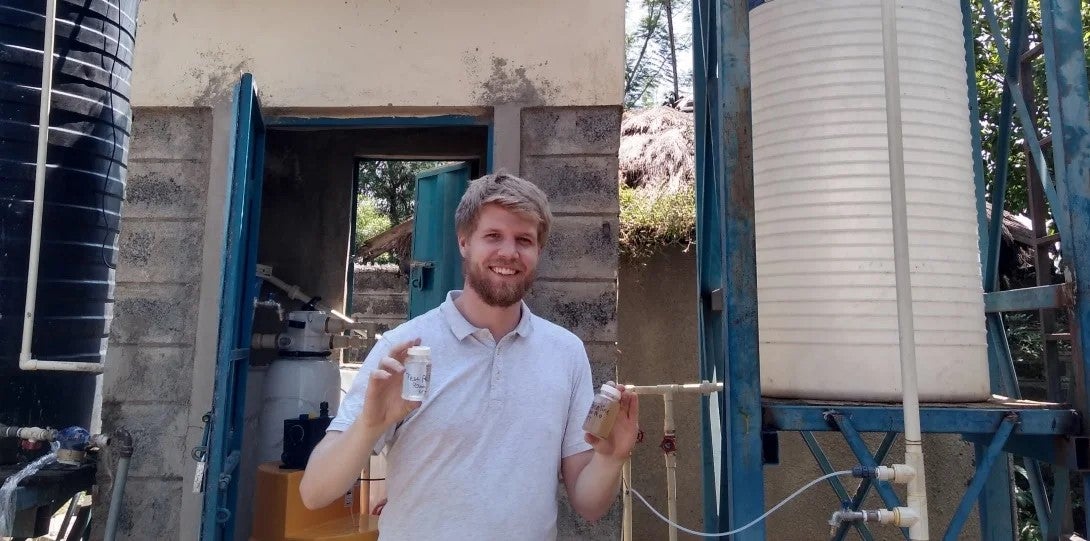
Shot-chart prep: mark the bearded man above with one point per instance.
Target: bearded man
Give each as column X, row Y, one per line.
column 479, row 457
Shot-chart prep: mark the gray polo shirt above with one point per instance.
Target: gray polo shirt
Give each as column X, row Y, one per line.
column 480, row 458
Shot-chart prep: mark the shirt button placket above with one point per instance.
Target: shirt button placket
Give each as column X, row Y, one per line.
column 497, row 373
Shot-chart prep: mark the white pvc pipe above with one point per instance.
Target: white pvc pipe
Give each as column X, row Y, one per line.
column 917, row 488
column 26, row 359
column 626, row 502
column 671, row 464
column 294, row 292
column 667, row 391
column 28, row 433
column 706, row 387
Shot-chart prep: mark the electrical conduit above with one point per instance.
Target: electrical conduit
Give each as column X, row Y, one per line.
column 671, row 462
column 917, row 488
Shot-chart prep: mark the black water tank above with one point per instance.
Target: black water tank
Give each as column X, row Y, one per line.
column 89, row 130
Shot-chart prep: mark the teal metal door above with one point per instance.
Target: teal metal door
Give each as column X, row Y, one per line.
column 436, row 266
column 239, row 290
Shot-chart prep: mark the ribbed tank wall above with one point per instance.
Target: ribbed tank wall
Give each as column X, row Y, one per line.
column 89, row 128
column 825, row 275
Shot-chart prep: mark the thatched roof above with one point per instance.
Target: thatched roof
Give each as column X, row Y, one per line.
column 657, row 150
column 397, row 239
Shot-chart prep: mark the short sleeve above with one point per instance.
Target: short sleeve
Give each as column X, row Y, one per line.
column 582, row 394
column 352, row 404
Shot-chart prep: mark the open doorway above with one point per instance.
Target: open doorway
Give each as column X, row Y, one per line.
column 326, row 192
column 383, row 223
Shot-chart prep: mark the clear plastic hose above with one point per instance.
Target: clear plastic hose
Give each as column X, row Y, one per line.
column 754, row 521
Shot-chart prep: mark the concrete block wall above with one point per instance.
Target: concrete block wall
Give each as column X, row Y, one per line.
column 571, row 153
column 149, row 378
column 381, row 294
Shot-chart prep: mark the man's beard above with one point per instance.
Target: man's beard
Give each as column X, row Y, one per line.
column 496, row 292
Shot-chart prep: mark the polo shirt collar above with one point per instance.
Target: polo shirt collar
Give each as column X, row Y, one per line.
column 461, row 327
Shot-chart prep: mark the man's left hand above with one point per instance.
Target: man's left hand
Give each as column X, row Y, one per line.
column 622, row 438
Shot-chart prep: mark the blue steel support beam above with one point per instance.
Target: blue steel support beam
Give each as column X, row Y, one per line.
column 934, row 419
column 867, row 484
column 996, row 504
column 1003, row 145
column 742, row 463
column 837, row 486
column 1061, row 502
column 1029, row 298
column 1050, row 189
column 1069, row 112
column 1005, row 382
column 1039, row 492
column 862, row 454
column 983, row 469
column 709, row 233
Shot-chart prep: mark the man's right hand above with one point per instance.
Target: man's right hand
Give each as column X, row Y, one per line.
column 383, row 405
column 336, row 462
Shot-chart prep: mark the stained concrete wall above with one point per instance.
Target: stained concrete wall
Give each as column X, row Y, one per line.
column 163, row 348
column 362, row 54
column 149, row 379
column 657, row 335
column 571, row 153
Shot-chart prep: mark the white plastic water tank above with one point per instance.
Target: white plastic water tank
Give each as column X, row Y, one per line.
column 295, row 386
column 825, row 275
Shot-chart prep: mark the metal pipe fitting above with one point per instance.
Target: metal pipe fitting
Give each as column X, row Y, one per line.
column 28, row 433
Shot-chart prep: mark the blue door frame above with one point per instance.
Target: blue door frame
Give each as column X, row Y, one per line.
column 240, row 286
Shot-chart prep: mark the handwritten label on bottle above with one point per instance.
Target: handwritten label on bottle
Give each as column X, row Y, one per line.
column 598, row 410
column 417, row 379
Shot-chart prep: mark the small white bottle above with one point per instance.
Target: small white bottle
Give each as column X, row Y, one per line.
column 603, row 411
column 417, row 375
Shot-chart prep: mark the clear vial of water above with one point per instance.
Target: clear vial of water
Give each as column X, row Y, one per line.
column 417, row 375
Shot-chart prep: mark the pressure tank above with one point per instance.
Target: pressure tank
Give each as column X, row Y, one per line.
column 88, row 143
column 298, row 381
column 825, row 267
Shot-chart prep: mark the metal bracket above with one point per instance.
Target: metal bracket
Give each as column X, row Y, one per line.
column 420, row 274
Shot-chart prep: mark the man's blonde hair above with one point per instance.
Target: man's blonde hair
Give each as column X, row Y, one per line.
column 508, row 191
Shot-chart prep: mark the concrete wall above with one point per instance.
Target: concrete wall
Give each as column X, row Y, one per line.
column 163, row 348
column 571, row 153
column 381, row 294
column 415, row 53
column 503, row 63
column 148, row 385
column 657, row 335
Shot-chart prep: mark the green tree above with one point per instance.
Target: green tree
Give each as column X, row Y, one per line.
column 385, row 196
column 990, row 70
column 370, row 221
column 391, row 185
column 651, row 51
